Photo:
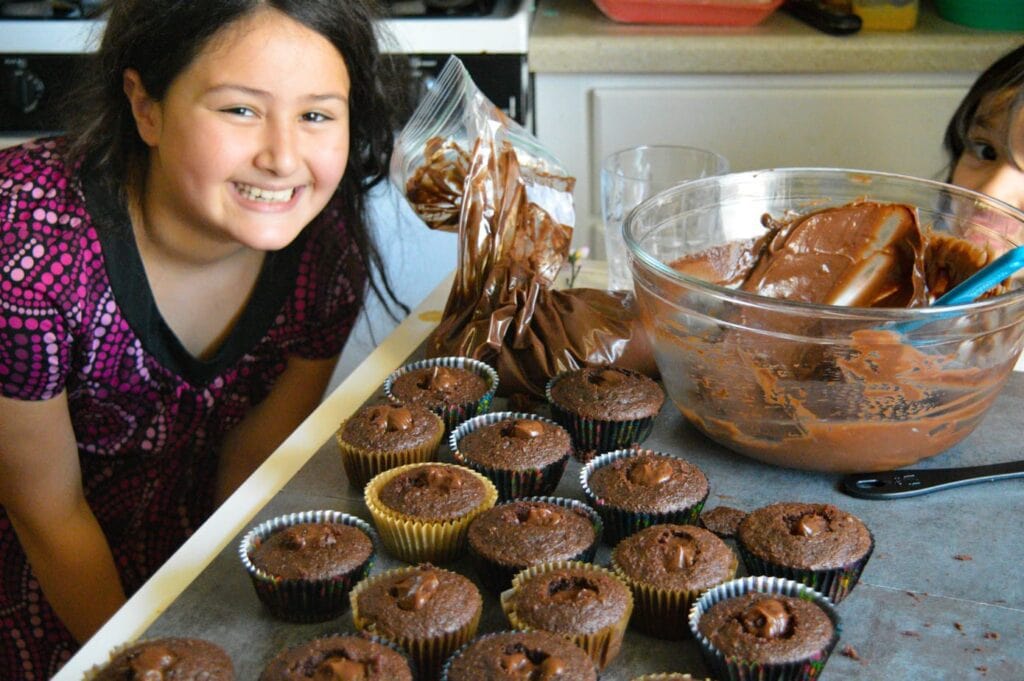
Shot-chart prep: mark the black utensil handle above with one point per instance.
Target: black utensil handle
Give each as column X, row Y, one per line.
column 910, row 483
column 819, row 15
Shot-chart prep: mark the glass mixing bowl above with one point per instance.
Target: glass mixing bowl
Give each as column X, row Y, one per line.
column 812, row 386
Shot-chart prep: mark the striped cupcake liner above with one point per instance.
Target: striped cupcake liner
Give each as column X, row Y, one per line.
column 667, row 676
column 417, row 540
column 453, row 415
column 363, row 464
column 428, row 654
column 620, row 523
column 511, row 484
column 498, row 577
column 834, row 583
column 602, row 645
column 662, row 613
column 301, row 600
column 591, row 437
column 725, row 668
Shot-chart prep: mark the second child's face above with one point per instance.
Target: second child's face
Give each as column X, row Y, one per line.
column 987, row 164
column 251, row 139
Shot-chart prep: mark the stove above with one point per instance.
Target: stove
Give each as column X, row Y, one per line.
column 43, row 44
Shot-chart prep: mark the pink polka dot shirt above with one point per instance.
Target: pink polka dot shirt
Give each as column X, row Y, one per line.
column 77, row 315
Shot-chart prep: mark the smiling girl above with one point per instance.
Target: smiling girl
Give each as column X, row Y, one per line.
column 179, row 276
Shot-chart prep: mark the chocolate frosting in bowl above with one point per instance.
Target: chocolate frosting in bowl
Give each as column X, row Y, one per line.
column 816, row 389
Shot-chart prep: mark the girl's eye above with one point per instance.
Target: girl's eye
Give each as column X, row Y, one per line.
column 315, row 117
column 982, row 150
column 239, row 110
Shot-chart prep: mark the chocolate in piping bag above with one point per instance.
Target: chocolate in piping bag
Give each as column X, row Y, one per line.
column 514, row 218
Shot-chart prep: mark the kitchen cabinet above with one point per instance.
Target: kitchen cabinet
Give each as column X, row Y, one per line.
column 892, row 124
column 778, row 94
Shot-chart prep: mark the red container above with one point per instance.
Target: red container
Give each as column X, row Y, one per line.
column 694, row 12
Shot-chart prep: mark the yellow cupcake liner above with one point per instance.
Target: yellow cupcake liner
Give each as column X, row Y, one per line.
column 429, row 654
column 415, row 540
column 663, row 613
column 602, row 645
column 361, row 465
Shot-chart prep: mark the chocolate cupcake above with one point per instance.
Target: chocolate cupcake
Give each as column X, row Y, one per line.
column 428, row 611
column 182, row 659
column 764, row 628
column 422, row 511
column 666, row 676
column 303, row 565
column 517, row 656
column 454, row 388
column 366, row 658
column 379, row 437
column 636, row 488
column 667, row 567
column 518, row 534
column 522, row 454
column 722, row 520
column 604, row 408
column 817, row 545
column 585, row 603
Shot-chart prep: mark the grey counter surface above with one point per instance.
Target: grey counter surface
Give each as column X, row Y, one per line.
column 940, row 599
column 573, row 36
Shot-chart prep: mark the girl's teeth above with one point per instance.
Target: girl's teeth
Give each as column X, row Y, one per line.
column 257, row 194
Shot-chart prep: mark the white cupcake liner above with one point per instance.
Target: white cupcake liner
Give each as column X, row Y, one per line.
column 299, row 600
column 511, row 483
column 455, row 414
column 497, row 577
column 591, row 437
column 726, row 669
column 620, row 523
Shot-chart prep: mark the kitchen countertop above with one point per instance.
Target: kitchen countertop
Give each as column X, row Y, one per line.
column 939, row 598
column 573, row 36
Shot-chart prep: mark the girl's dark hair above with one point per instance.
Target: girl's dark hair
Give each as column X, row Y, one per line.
column 1006, row 74
column 160, row 38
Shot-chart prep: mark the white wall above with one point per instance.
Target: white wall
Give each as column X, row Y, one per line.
column 416, row 257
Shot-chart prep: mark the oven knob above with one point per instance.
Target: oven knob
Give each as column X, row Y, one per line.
column 24, row 89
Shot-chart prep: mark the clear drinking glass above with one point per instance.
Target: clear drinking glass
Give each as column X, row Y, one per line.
column 631, row 175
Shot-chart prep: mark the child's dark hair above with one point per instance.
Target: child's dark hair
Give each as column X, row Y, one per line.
column 1006, row 74
column 160, row 38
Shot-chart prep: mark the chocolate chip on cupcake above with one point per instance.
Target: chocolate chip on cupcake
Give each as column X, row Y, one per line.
column 818, row 545
column 522, row 454
column 188, row 659
column 519, row 656
column 422, row 511
column 604, row 408
column 583, row 602
column 455, row 388
column 764, row 627
column 344, row 657
column 518, row 534
column 667, row 567
column 383, row 436
column 635, row 488
column 303, row 565
column 428, row 611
